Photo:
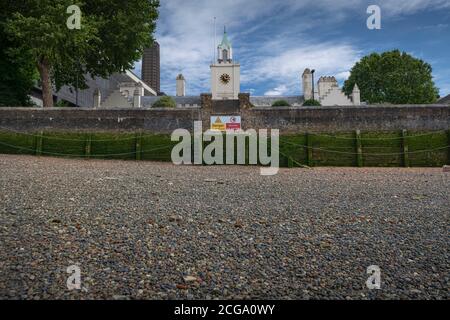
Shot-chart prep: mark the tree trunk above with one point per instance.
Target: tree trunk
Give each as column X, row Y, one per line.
column 47, row 91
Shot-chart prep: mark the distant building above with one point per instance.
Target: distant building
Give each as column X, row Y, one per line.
column 151, row 67
column 181, row 86
column 327, row 91
column 225, row 73
column 445, row 100
column 117, row 90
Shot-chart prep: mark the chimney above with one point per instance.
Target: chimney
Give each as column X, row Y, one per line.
column 97, row 98
column 356, row 96
column 307, row 84
column 181, row 86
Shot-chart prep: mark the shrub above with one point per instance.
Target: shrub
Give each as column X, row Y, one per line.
column 61, row 104
column 281, row 103
column 311, row 103
column 165, row 102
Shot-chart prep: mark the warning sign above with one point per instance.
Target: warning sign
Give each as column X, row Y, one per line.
column 226, row 123
column 217, row 124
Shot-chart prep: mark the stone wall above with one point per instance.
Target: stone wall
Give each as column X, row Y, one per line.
column 288, row 120
column 71, row 119
column 344, row 119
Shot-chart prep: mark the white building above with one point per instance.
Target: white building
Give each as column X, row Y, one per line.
column 327, row 91
column 181, row 86
column 118, row 90
column 225, row 74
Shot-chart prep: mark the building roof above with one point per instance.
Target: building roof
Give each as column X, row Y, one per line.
column 226, row 43
column 136, row 79
column 267, row 101
column 445, row 100
column 186, row 102
column 106, row 86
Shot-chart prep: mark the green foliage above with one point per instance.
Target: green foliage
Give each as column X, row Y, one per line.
column 311, row 103
column 112, row 37
column 379, row 149
column 393, row 77
column 165, row 102
column 281, row 103
column 17, row 69
column 61, row 104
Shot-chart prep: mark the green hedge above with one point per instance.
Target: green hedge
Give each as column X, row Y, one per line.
column 165, row 102
column 281, row 103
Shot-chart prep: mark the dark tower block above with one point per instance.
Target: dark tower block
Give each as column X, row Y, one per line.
column 151, row 67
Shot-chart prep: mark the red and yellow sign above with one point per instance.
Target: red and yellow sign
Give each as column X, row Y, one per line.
column 226, row 123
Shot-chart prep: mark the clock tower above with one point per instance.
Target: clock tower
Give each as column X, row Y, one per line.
column 225, row 74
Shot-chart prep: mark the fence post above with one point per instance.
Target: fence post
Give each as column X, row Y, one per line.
column 309, row 149
column 87, row 146
column 359, row 151
column 448, row 147
column 39, row 139
column 290, row 162
column 405, row 148
column 138, row 145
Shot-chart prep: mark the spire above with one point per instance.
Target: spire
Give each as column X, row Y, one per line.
column 225, row 44
column 225, row 50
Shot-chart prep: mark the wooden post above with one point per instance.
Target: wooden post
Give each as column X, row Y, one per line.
column 88, row 146
column 359, row 151
column 448, row 147
column 290, row 162
column 309, row 149
column 138, row 145
column 405, row 148
column 39, row 139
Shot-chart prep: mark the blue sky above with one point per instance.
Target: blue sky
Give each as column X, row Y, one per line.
column 274, row 41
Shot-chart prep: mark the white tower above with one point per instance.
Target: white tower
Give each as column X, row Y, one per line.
column 181, row 86
column 356, row 96
column 307, row 84
column 225, row 74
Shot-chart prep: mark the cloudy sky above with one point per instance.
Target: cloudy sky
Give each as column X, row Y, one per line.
column 274, row 41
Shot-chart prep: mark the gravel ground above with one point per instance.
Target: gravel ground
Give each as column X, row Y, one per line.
column 141, row 230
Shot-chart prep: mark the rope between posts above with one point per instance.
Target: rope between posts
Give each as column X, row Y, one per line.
column 83, row 155
column 370, row 154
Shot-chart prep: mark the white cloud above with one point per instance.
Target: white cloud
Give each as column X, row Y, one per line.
column 286, row 67
column 185, row 33
column 278, row 91
column 405, row 7
column 343, row 75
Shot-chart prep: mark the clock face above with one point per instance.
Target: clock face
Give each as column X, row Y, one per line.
column 225, row 78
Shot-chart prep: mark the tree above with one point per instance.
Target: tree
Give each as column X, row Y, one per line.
column 311, row 103
column 17, row 70
column 112, row 37
column 165, row 102
column 393, row 77
column 280, row 103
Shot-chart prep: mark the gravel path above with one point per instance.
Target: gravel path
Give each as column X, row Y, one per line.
column 143, row 230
